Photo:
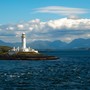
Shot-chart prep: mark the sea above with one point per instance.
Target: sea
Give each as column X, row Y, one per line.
column 70, row 72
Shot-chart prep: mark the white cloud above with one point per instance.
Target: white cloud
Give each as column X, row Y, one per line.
column 61, row 10
column 10, row 28
column 20, row 26
column 62, row 29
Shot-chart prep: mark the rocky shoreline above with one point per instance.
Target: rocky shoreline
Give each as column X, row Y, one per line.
column 27, row 57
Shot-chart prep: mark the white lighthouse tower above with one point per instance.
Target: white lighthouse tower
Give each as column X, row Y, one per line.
column 23, row 37
column 23, row 48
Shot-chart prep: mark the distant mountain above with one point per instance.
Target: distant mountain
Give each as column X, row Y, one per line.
column 47, row 44
column 77, row 43
column 2, row 43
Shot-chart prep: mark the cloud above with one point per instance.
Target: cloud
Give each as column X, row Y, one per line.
column 65, row 29
column 20, row 26
column 10, row 28
column 61, row 10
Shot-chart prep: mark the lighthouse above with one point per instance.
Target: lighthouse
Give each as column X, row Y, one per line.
column 23, row 37
column 23, row 48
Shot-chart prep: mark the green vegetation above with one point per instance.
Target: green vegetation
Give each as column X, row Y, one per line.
column 4, row 49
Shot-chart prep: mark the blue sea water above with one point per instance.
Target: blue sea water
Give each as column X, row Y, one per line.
column 70, row 72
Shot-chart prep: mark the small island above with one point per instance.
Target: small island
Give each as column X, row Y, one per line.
column 23, row 53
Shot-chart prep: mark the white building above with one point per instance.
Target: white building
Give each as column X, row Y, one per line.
column 23, row 48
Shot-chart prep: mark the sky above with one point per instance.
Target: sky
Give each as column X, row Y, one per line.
column 44, row 19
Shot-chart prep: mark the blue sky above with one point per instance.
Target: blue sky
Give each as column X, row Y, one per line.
column 13, row 11
column 44, row 19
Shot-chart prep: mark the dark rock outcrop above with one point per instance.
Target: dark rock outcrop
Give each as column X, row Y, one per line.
column 26, row 56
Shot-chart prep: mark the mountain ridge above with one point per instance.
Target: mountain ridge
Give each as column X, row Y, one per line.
column 57, row 44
